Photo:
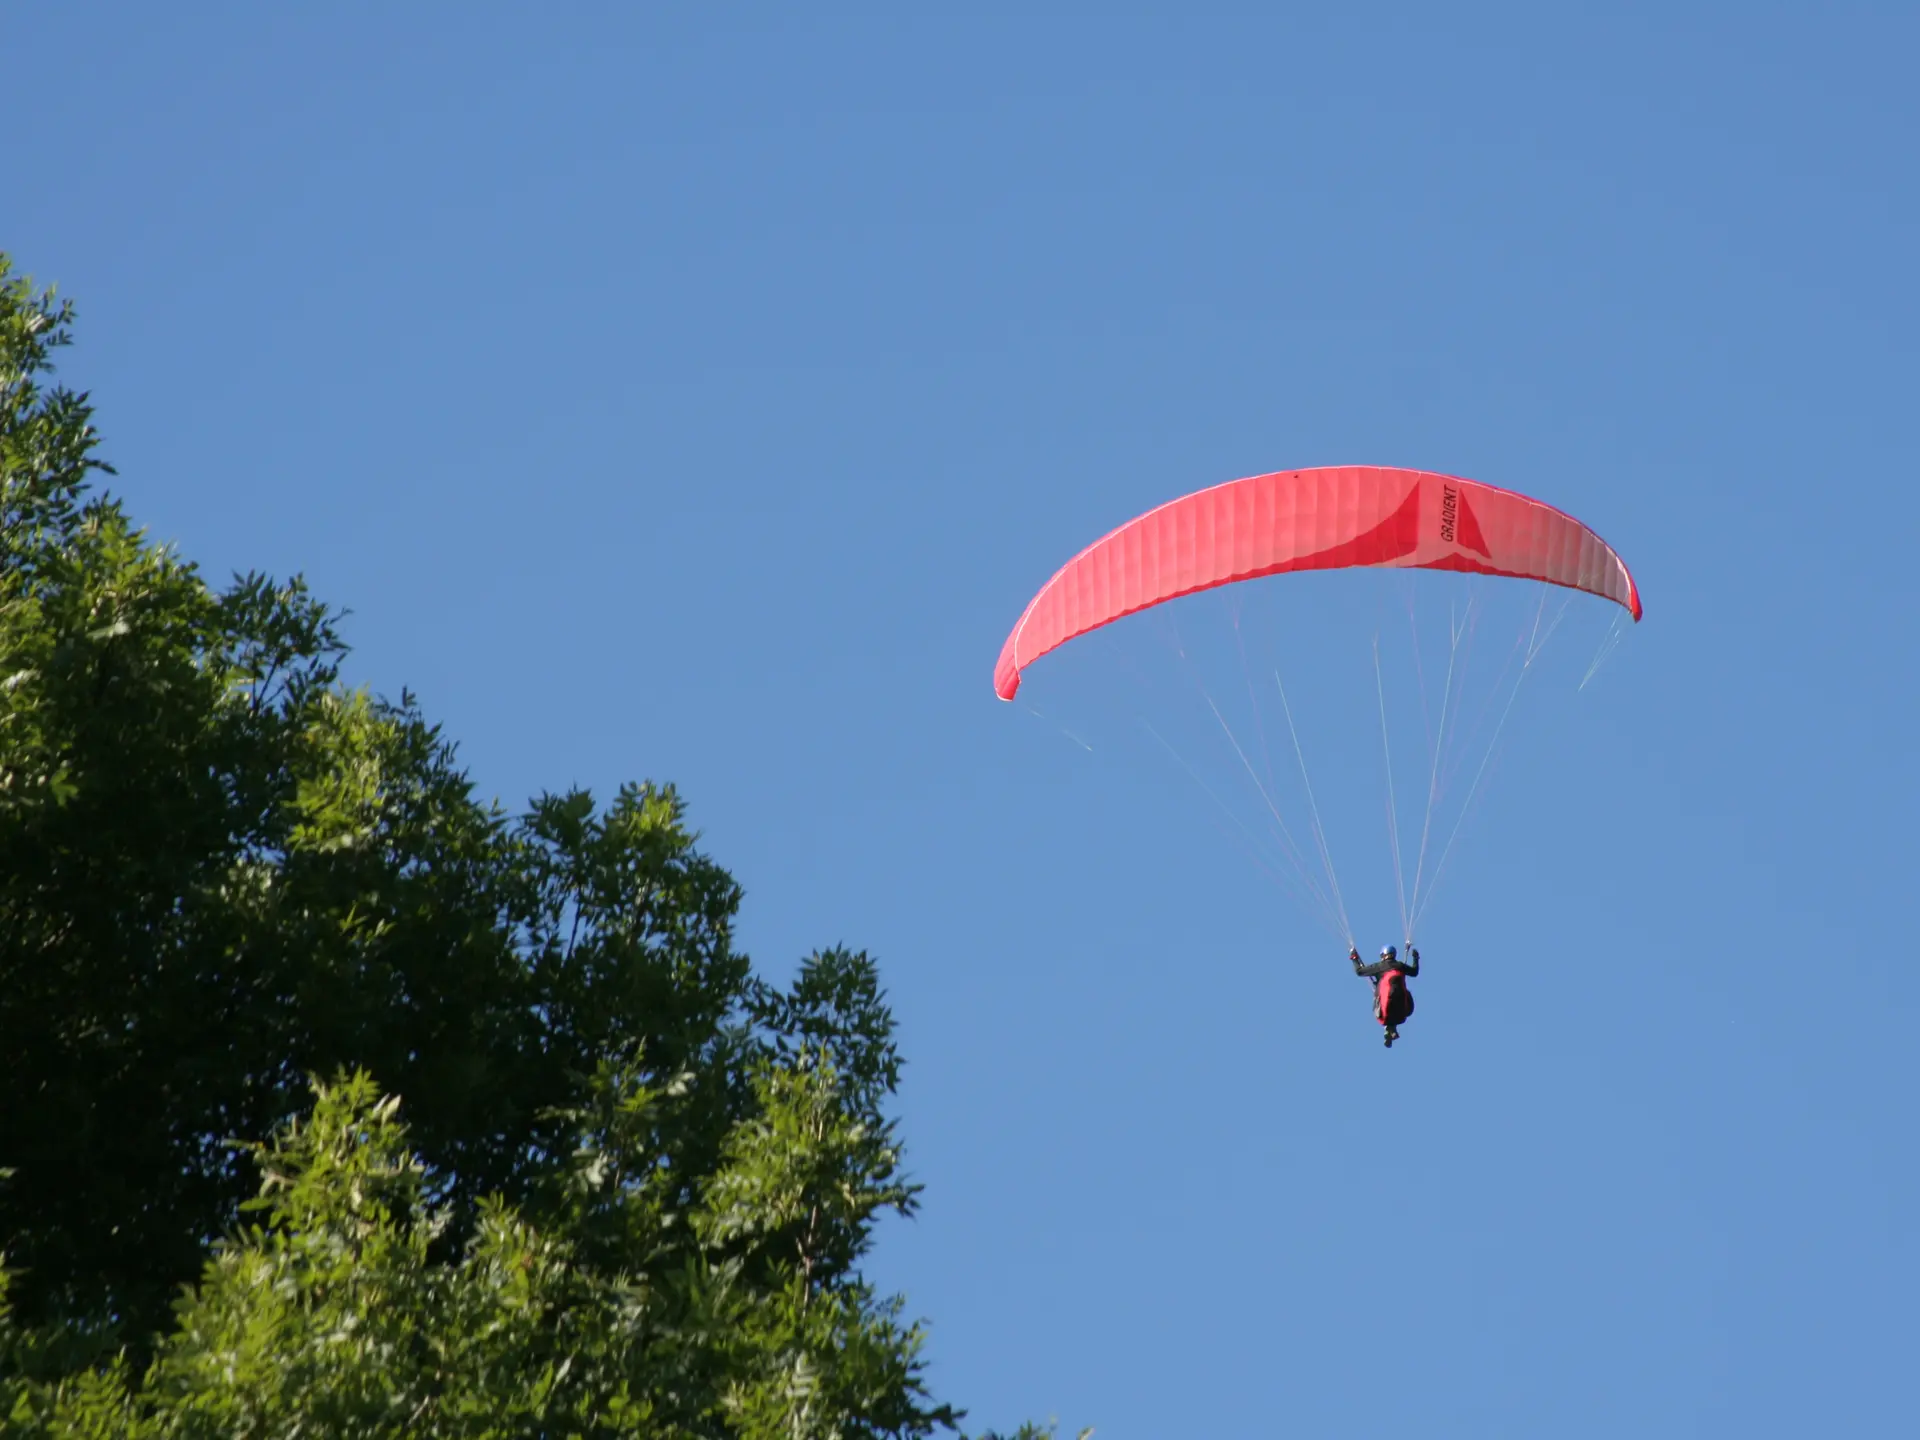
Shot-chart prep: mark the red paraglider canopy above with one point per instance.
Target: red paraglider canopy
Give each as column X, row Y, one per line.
column 1323, row 519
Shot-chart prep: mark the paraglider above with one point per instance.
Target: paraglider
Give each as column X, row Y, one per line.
column 1392, row 1000
column 1331, row 518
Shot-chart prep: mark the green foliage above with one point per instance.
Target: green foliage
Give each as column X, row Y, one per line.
column 330, row 1315
column 635, row 1183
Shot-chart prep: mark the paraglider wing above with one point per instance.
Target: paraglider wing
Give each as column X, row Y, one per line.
column 1322, row 519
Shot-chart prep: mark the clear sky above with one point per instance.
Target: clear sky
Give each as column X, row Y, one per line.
column 699, row 392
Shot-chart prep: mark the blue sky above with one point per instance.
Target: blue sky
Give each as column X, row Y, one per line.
column 700, row 392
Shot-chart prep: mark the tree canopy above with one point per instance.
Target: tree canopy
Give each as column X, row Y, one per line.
column 338, row 1101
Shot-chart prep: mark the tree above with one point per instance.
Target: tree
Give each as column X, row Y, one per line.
column 635, row 1182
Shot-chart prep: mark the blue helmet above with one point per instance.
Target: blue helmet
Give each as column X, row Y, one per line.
column 1387, row 952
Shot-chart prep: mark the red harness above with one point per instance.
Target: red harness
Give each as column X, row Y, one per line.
column 1392, row 1001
